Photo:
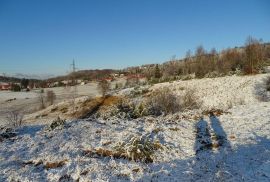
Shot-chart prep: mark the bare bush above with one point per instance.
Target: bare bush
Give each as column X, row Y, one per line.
column 189, row 100
column 14, row 118
column 104, row 87
column 163, row 101
column 50, row 97
column 41, row 100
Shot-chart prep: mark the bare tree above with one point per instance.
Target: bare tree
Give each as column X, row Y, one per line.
column 41, row 99
column 254, row 54
column 104, row 87
column 50, row 97
column 14, row 118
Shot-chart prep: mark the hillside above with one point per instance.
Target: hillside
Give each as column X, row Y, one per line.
column 225, row 139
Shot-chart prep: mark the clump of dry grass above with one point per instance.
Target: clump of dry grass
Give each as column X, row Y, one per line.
column 46, row 165
column 94, row 105
column 51, row 165
column 136, row 149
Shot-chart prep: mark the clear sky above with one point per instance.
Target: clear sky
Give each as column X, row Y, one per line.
column 43, row 36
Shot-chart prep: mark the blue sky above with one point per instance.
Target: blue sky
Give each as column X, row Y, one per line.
column 42, row 37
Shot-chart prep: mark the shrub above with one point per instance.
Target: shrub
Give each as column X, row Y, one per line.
column 138, row 149
column 189, row 100
column 56, row 123
column 14, row 118
column 41, row 100
column 15, row 88
column 163, row 101
column 128, row 109
column 50, row 97
column 103, row 87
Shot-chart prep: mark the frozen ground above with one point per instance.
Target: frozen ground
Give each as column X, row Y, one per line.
column 222, row 92
column 243, row 156
column 230, row 147
column 28, row 102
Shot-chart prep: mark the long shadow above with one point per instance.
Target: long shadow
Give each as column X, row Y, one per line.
column 203, row 139
column 219, row 134
column 95, row 109
column 250, row 162
column 30, row 130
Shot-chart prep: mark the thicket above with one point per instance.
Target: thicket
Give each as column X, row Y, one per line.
column 249, row 59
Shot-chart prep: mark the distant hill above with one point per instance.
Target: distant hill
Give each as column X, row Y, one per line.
column 85, row 75
column 9, row 79
column 15, row 80
column 233, row 57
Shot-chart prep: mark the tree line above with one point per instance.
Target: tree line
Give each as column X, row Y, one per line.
column 249, row 59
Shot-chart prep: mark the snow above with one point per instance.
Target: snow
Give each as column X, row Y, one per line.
column 222, row 92
column 240, row 141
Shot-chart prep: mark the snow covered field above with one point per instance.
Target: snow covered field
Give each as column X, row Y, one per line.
column 239, row 138
column 30, row 99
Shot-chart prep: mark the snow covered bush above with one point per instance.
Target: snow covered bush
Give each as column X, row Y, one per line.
column 189, row 100
column 138, row 91
column 57, row 123
column 128, row 108
column 163, row 101
column 138, row 148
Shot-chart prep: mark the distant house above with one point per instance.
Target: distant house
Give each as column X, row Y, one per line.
column 5, row 86
column 109, row 79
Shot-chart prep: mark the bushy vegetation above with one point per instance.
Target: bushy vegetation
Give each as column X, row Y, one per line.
column 15, row 88
column 58, row 122
column 189, row 100
column 155, row 103
column 163, row 101
column 249, row 59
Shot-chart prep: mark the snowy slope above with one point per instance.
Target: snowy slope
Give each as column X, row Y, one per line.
column 239, row 150
column 221, row 92
column 246, row 154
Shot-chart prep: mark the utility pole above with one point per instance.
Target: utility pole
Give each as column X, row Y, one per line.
column 74, row 84
column 73, row 66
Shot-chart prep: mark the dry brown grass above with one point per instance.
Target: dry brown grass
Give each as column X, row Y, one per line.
column 91, row 106
column 87, row 107
column 215, row 112
column 111, row 100
column 174, row 129
column 47, row 165
column 104, row 153
column 51, row 165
